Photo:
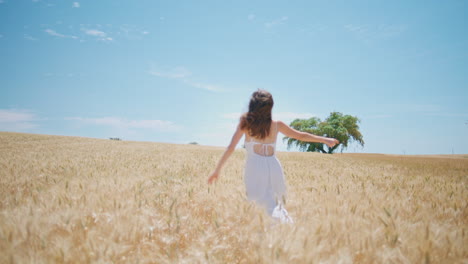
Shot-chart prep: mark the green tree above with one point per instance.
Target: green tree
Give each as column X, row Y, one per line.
column 345, row 128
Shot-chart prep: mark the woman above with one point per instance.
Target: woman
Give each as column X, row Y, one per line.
column 263, row 177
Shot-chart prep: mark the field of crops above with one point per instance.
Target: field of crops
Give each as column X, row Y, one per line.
column 80, row 200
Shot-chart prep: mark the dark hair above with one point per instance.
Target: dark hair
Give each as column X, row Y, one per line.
column 257, row 121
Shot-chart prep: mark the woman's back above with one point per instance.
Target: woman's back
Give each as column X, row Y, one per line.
column 263, row 147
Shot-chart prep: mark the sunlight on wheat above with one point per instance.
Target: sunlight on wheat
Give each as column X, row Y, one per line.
column 78, row 200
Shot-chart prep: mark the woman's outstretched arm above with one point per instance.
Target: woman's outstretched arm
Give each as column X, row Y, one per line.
column 235, row 139
column 303, row 136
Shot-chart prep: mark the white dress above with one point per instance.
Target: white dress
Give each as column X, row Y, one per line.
column 263, row 176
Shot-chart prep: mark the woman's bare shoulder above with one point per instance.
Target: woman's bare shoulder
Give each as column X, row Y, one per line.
column 280, row 123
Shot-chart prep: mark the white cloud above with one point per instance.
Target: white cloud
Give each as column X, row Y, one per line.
column 29, row 37
column 17, row 120
column 175, row 73
column 76, row 5
column 356, row 28
column 276, row 22
column 95, row 32
column 204, row 86
column 155, row 125
column 183, row 74
column 15, row 115
column 56, row 34
column 131, row 32
column 375, row 32
column 101, row 35
column 100, row 32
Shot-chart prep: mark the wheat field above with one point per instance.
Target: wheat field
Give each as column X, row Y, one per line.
column 83, row 200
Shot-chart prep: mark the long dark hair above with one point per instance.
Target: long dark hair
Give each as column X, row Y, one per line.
column 257, row 121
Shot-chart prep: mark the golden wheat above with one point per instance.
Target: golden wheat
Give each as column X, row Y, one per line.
column 78, row 200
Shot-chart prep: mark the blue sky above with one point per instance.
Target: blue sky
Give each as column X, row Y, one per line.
column 182, row 71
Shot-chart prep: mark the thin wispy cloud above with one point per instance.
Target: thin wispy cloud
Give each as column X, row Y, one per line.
column 359, row 29
column 184, row 75
column 56, row 34
column 122, row 123
column 314, row 29
column 251, row 17
column 204, row 86
column 29, row 37
column 276, row 22
column 375, row 32
column 76, row 5
column 175, row 73
column 97, row 32
column 17, row 120
column 14, row 115
column 101, row 35
column 132, row 32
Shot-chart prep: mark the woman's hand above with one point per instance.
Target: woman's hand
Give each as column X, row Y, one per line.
column 331, row 142
column 213, row 177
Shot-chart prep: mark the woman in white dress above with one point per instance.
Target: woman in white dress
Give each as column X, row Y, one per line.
column 263, row 177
